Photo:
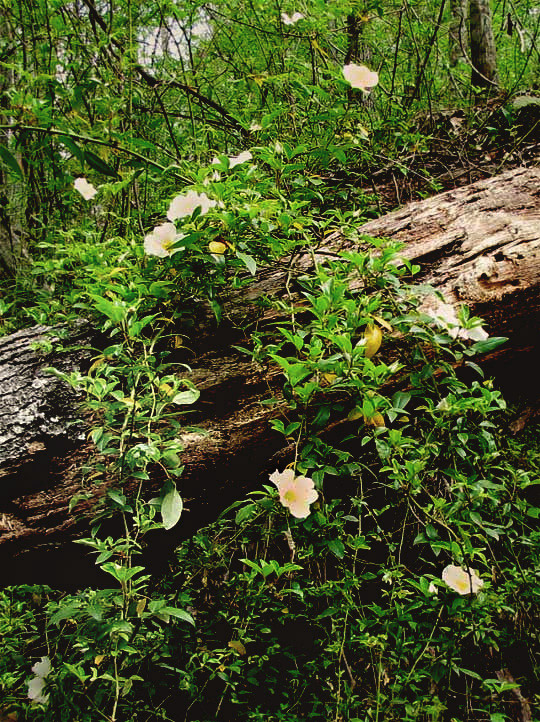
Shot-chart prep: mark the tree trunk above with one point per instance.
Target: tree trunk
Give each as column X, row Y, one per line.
column 12, row 191
column 479, row 244
column 458, row 31
column 483, row 53
column 357, row 52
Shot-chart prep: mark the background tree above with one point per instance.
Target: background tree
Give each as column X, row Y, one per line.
column 483, row 52
column 458, row 34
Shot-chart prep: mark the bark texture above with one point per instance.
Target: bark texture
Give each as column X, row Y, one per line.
column 11, row 188
column 458, row 31
column 483, row 52
column 479, row 244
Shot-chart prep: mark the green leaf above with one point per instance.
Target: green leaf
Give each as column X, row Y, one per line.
column 178, row 614
column 337, row 548
column 248, row 261
column 119, row 499
column 10, row 161
column 119, row 572
column 117, row 311
column 72, row 147
column 65, row 612
column 400, row 400
column 327, row 613
column 95, row 162
column 245, row 512
column 251, row 564
column 171, row 509
column 297, row 373
column 170, row 459
column 489, row 344
column 476, row 518
column 186, row 397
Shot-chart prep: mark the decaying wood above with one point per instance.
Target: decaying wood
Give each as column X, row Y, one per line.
column 479, row 245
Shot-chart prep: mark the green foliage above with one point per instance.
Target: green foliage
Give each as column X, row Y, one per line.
column 342, row 614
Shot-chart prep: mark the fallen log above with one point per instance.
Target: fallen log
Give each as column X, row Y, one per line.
column 479, row 245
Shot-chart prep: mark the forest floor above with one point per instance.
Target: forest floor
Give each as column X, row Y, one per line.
column 451, row 154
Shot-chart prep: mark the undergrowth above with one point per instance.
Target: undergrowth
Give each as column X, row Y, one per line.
column 390, row 571
column 404, row 586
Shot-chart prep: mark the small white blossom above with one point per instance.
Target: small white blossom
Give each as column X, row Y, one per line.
column 85, row 188
column 291, row 19
column 235, row 159
column 462, row 581
column 159, row 242
column 296, row 493
column 42, row 668
column 445, row 316
column 254, row 127
column 184, row 205
column 475, row 334
column 432, row 589
column 35, row 690
column 358, row 76
column 240, row 158
column 443, row 404
column 37, row 684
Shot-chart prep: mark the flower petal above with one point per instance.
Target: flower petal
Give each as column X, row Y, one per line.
column 35, row 690
column 42, row 668
column 358, row 76
column 240, row 158
column 462, row 581
column 85, row 188
column 160, row 241
column 296, row 493
column 279, row 477
column 299, row 509
column 291, row 19
column 184, row 205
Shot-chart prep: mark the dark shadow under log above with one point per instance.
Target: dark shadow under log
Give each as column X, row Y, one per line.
column 479, row 245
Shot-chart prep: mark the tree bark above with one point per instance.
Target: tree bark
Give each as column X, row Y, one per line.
column 479, row 245
column 12, row 191
column 483, row 53
column 458, row 31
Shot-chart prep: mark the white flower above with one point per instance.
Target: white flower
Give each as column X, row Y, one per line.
column 85, row 188
column 445, row 316
column 254, row 127
column 35, row 690
column 475, row 334
column 236, row 159
column 291, row 19
column 240, row 158
column 358, row 76
column 443, row 405
column 159, row 242
column 432, row 589
column 462, row 581
column 36, row 684
column 43, row 668
column 184, row 205
column 296, row 493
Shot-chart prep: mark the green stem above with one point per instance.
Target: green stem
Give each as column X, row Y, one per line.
column 89, row 139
